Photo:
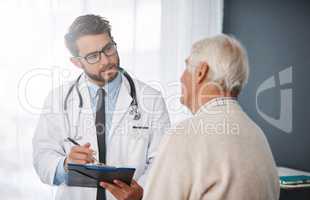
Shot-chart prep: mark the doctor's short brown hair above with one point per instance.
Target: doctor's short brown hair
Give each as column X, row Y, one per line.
column 85, row 25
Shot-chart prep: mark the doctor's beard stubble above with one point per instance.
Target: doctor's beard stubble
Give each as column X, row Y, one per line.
column 106, row 74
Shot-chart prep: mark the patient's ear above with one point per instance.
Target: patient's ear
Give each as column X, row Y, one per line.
column 76, row 62
column 202, row 72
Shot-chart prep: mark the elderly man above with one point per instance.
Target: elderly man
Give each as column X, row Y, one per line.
column 219, row 153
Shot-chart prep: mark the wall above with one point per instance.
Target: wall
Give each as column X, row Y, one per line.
column 276, row 34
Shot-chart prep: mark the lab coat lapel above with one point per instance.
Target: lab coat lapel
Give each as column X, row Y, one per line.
column 122, row 105
column 87, row 115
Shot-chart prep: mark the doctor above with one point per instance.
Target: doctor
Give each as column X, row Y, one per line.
column 117, row 120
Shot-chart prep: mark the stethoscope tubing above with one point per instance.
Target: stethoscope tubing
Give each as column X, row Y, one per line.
column 75, row 85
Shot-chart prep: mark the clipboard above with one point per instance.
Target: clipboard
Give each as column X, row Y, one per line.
column 89, row 175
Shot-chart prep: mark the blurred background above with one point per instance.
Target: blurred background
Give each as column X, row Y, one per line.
column 153, row 36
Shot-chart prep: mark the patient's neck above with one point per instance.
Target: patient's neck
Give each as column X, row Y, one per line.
column 206, row 94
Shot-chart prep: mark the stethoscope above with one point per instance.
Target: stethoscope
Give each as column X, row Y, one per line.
column 133, row 110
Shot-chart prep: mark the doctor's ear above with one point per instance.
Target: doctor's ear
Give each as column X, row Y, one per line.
column 76, row 62
column 202, row 72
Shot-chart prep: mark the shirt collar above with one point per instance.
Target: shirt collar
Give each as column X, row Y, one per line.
column 216, row 102
column 110, row 88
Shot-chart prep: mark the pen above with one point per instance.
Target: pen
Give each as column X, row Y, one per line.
column 73, row 141
column 76, row 143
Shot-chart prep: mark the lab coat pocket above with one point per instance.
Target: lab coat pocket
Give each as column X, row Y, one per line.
column 139, row 131
column 138, row 140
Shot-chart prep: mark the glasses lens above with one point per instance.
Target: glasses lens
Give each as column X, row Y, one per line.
column 110, row 49
column 93, row 58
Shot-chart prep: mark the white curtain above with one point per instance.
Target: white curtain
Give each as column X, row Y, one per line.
column 154, row 37
column 183, row 22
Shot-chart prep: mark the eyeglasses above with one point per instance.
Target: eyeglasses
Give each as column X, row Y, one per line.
column 94, row 57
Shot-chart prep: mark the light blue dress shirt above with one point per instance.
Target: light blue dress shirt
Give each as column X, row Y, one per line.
column 112, row 90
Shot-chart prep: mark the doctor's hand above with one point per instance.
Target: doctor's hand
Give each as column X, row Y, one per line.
column 80, row 155
column 122, row 191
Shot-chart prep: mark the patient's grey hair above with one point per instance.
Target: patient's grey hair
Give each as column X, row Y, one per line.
column 227, row 61
column 85, row 25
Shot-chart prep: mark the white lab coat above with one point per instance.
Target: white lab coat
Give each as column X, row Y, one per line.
column 126, row 146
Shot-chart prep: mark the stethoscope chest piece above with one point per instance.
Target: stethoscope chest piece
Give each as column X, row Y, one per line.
column 134, row 111
column 137, row 116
